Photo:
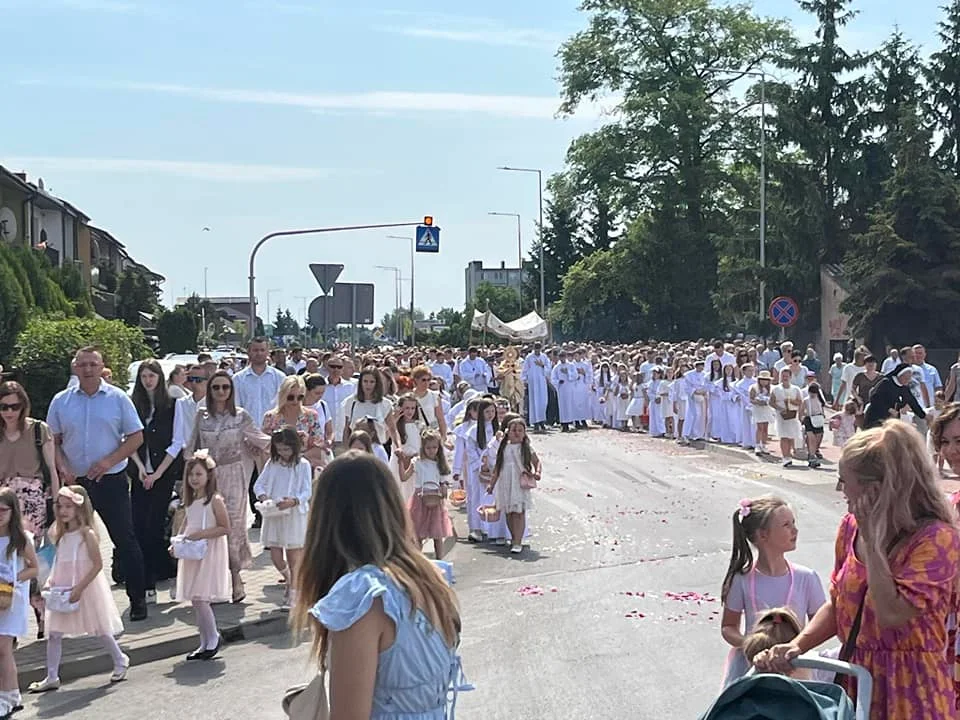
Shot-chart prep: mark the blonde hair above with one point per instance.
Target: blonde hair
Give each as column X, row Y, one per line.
column 776, row 626
column 84, row 515
column 290, row 383
column 893, row 462
column 357, row 518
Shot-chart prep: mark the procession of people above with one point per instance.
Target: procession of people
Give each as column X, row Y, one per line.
column 181, row 472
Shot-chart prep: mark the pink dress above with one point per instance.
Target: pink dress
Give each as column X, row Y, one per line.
column 207, row 579
column 429, row 522
column 97, row 614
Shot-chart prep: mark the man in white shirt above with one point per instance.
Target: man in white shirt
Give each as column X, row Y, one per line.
column 256, row 388
column 891, row 361
column 535, row 373
column 337, row 391
column 441, row 369
column 296, row 362
column 786, row 352
column 475, row 370
column 718, row 353
column 850, row 371
column 930, row 374
column 185, row 411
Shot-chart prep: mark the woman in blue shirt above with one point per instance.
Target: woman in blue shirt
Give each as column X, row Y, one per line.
column 386, row 624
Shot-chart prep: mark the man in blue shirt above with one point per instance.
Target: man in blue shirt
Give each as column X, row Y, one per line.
column 96, row 428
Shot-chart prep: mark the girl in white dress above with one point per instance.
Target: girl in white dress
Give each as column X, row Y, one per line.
column 431, row 479
column 285, row 481
column 18, row 566
column 786, row 399
column 665, row 393
column 621, row 389
column 78, row 565
column 517, row 472
column 763, row 412
column 600, row 394
column 655, row 399
column 726, row 404
column 409, row 426
column 638, row 400
column 207, row 580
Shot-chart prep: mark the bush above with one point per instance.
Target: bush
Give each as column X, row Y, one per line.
column 45, row 348
column 13, row 309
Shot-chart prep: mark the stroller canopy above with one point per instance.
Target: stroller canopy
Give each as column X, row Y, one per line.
column 775, row 697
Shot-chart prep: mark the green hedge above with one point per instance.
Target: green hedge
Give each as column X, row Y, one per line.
column 45, row 348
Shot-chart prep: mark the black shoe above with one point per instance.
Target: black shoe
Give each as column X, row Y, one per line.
column 196, row 655
column 257, row 522
column 138, row 610
column 211, row 653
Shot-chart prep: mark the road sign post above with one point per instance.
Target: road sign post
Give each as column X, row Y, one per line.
column 783, row 312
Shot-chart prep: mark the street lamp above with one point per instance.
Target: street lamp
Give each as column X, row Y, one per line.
column 305, row 318
column 763, row 173
column 413, row 324
column 291, row 233
column 543, row 293
column 396, row 295
column 519, row 256
column 269, row 293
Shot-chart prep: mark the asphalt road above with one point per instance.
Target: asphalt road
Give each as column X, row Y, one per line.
column 612, row 612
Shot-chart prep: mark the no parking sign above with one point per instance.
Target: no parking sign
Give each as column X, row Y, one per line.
column 784, row 311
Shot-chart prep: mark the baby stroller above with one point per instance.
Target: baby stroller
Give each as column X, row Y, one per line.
column 775, row 697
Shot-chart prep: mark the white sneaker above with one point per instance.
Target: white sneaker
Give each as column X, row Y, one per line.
column 516, row 549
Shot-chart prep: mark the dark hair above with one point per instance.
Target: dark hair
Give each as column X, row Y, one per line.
column 759, row 514
column 527, row 456
column 142, row 400
column 714, row 363
column 314, row 380
column 14, row 388
column 482, row 405
column 289, row 437
column 401, row 425
column 363, row 437
column 188, row 496
column 258, row 340
column 377, row 387
column 18, row 536
column 230, row 406
column 432, row 435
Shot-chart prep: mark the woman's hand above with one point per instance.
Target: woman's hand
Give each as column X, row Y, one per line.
column 149, row 480
column 286, row 503
column 777, row 659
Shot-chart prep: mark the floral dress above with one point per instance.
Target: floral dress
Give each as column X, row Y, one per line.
column 909, row 666
column 230, row 439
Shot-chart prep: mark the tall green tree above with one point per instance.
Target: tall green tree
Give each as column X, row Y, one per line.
column 561, row 245
column 135, row 295
column 907, row 259
column 943, row 77
column 673, row 63
column 177, row 330
column 501, row 301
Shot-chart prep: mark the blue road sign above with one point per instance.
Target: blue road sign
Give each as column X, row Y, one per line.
column 783, row 311
column 428, row 238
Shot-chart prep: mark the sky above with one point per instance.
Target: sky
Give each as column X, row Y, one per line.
column 159, row 118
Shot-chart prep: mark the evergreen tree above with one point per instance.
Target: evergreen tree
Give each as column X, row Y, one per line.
column 944, row 80
column 905, row 281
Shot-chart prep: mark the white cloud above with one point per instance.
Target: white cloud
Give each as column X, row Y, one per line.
column 216, row 172
column 515, row 106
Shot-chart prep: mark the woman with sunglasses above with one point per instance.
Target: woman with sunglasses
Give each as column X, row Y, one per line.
column 290, row 412
column 233, row 440
column 30, row 471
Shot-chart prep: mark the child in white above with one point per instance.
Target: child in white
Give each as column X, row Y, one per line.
column 409, row 426
column 432, row 478
column 516, row 472
column 78, row 565
column 656, row 396
column 286, row 482
column 207, row 580
column 844, row 424
column 749, row 587
column 638, row 401
column 18, row 566
column 369, row 426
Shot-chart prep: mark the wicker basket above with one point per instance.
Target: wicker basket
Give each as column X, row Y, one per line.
column 458, row 498
column 489, row 513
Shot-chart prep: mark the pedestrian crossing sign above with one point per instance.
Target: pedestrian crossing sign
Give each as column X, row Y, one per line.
column 428, row 238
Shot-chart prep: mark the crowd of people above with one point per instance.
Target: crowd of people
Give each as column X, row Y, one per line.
column 182, row 467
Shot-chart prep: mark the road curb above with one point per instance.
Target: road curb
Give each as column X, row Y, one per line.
column 274, row 622
column 729, row 451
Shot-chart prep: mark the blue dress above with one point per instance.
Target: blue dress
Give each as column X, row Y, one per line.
column 419, row 676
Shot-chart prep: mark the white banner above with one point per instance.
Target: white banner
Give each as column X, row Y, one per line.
column 530, row 327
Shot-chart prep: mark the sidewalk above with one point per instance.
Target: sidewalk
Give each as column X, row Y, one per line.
column 170, row 628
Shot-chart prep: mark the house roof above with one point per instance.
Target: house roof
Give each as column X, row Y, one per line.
column 13, row 179
column 101, row 233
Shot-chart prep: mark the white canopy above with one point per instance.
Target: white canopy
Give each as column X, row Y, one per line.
column 530, row 327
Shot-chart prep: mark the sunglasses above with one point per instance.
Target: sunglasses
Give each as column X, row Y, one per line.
column 196, row 379
column 222, row 388
column 291, row 398
column 11, row 407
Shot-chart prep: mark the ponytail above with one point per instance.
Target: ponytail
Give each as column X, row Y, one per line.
column 741, row 556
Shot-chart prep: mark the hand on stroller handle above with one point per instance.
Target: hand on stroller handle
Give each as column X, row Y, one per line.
column 813, row 661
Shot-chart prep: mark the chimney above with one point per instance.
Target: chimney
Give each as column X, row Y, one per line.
column 503, row 264
column 21, row 175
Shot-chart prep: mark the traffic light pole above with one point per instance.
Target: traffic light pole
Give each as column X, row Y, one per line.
column 289, row 233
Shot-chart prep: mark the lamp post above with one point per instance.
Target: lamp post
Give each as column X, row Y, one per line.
column 543, row 293
column 396, row 295
column 763, row 173
column 413, row 323
column 291, row 233
column 305, row 319
column 519, row 256
column 269, row 293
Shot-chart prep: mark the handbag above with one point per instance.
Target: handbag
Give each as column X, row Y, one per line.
column 788, row 414
column 57, row 599
column 184, row 549
column 431, row 495
column 307, row 701
column 268, row 508
column 816, row 421
column 45, row 476
column 527, row 480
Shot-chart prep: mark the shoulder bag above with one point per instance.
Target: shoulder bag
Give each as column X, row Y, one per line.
column 307, row 701
column 44, row 474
